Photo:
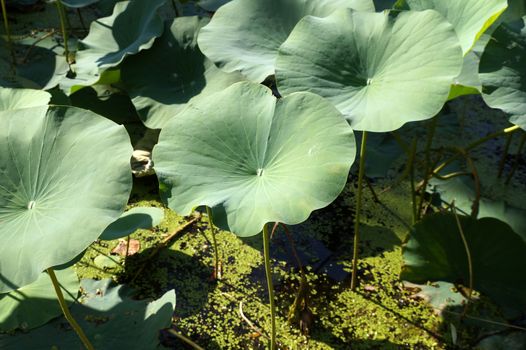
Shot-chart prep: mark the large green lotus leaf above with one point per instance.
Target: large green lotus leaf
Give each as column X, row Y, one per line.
column 35, row 304
column 467, row 82
column 503, row 71
column 470, row 18
column 380, row 72
column 132, row 27
column 244, row 35
column 132, row 220
column 254, row 159
column 65, row 176
column 108, row 316
column 435, row 252
column 163, row 79
column 462, row 191
column 22, row 98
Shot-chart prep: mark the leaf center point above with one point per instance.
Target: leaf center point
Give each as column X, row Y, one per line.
column 31, row 205
column 260, row 172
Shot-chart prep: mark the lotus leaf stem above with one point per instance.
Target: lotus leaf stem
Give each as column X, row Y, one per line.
column 468, row 253
column 517, row 158
column 81, row 20
column 217, row 272
column 427, row 166
column 62, row 16
column 505, row 154
column 411, row 165
column 66, row 312
column 361, row 172
column 268, row 273
column 475, row 144
column 452, row 175
column 8, row 33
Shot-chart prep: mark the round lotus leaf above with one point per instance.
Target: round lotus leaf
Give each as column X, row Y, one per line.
column 65, row 176
column 35, row 304
column 163, row 79
column 254, row 159
column 502, row 71
column 109, row 317
column 244, row 35
column 132, row 27
column 132, row 220
column 470, row 18
column 379, row 71
column 22, row 98
column 435, row 252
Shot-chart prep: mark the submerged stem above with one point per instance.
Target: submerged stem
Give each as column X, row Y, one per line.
column 268, row 273
column 217, row 274
column 361, row 172
column 66, row 312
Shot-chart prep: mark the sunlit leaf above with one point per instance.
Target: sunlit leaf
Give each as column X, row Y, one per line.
column 65, row 177
column 163, row 79
column 254, row 159
column 244, row 35
column 379, row 71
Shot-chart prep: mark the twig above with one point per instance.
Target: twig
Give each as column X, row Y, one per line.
column 250, row 324
column 185, row 339
column 163, row 243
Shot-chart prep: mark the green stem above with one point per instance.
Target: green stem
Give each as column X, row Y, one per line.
column 427, row 166
column 268, row 273
column 217, row 274
column 468, row 253
column 477, row 143
column 517, row 158
column 361, row 172
column 411, row 165
column 66, row 312
column 504, row 154
column 8, row 33
column 62, row 16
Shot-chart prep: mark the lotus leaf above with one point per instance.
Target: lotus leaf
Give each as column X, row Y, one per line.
column 22, row 98
column 503, row 71
column 108, row 316
column 132, row 220
column 78, row 3
column 470, row 18
column 462, row 191
column 379, row 71
column 35, row 304
column 132, row 27
column 435, row 251
column 254, row 159
column 244, row 35
column 65, row 177
column 163, row 79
